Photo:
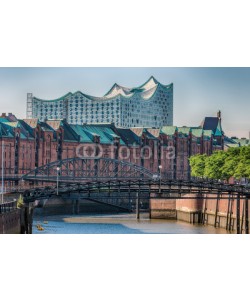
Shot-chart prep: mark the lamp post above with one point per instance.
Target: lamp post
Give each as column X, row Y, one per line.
column 57, row 179
column 160, row 167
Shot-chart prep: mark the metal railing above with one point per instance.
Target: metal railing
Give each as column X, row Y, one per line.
column 8, row 206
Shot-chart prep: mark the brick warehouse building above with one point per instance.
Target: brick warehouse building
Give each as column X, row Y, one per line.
column 30, row 143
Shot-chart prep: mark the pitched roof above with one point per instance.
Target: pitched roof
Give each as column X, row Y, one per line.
column 25, row 130
column 138, row 130
column 128, row 136
column 46, row 127
column 85, row 137
column 4, row 120
column 207, row 133
column 55, row 124
column 106, row 133
column 184, row 130
column 25, row 127
column 31, row 122
column 168, row 130
column 214, row 124
column 154, row 132
column 197, row 132
column 6, row 130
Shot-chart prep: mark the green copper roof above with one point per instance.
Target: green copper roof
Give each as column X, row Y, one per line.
column 218, row 132
column 184, row 130
column 128, row 136
column 168, row 130
column 207, row 133
column 105, row 132
column 85, row 137
column 197, row 132
column 25, row 130
column 6, row 130
column 4, row 120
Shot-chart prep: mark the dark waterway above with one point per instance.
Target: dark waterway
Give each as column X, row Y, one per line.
column 116, row 224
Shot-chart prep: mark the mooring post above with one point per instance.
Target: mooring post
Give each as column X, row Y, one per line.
column 73, row 206
column 26, row 219
column 228, row 211
column 138, row 202
column 238, row 214
column 231, row 220
column 216, row 210
column 78, row 204
column 137, row 207
column 246, row 215
column 30, row 218
column 242, row 217
column 204, row 209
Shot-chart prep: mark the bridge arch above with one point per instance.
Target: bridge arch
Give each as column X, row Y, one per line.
column 81, row 169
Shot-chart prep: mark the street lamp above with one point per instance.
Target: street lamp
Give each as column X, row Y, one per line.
column 160, row 167
column 57, row 179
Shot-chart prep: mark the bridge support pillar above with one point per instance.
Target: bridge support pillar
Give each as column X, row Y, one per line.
column 73, row 206
column 27, row 219
column 77, row 206
column 137, row 207
column 162, row 208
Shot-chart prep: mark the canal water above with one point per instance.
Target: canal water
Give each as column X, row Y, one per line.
column 115, row 224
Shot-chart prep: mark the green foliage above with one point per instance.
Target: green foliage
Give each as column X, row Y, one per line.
column 197, row 164
column 214, row 164
column 230, row 163
column 222, row 164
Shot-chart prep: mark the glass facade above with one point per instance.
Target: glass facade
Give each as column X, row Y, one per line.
column 150, row 105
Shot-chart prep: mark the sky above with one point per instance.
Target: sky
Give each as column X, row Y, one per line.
column 198, row 92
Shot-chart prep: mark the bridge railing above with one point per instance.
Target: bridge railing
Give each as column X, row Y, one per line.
column 8, row 206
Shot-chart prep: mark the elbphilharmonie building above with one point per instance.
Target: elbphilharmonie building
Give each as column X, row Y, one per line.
column 149, row 105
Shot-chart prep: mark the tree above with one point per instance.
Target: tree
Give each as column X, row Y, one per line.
column 230, row 163
column 242, row 169
column 214, row 164
column 222, row 164
column 197, row 164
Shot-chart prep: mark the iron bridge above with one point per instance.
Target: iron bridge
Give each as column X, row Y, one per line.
column 105, row 175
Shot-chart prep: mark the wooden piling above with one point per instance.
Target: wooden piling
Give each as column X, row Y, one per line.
column 231, row 225
column 228, row 212
column 204, row 220
column 242, row 218
column 246, row 215
column 216, row 210
column 238, row 214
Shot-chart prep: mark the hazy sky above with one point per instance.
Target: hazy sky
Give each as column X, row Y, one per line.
column 198, row 92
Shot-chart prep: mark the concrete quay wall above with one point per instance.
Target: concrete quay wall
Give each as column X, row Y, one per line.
column 200, row 209
column 10, row 222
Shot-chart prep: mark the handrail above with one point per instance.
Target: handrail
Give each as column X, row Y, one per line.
column 8, row 206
